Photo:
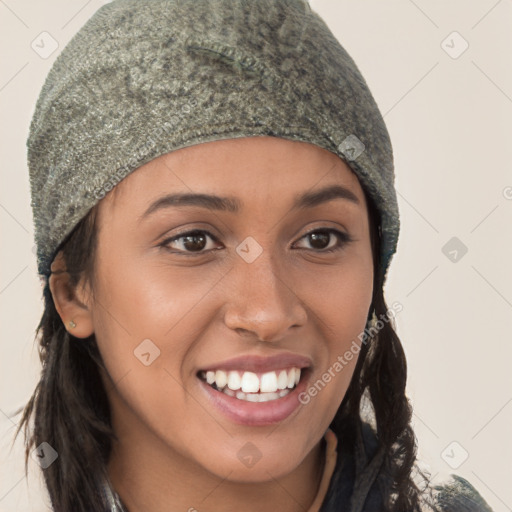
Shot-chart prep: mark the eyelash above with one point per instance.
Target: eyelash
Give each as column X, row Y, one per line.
column 343, row 240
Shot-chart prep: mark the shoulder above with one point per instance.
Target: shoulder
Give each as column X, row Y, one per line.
column 455, row 494
column 448, row 493
column 442, row 493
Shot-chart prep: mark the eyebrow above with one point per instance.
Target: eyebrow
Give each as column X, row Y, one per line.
column 308, row 199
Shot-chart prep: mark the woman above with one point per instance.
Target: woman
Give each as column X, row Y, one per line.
column 212, row 186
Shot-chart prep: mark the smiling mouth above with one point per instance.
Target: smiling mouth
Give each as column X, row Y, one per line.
column 251, row 386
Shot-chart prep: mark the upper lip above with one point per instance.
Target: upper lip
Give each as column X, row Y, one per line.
column 258, row 364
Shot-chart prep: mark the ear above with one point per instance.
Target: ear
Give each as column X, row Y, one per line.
column 70, row 302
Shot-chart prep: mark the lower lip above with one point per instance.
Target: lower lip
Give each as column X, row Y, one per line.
column 256, row 413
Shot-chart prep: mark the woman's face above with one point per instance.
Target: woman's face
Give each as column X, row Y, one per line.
column 277, row 275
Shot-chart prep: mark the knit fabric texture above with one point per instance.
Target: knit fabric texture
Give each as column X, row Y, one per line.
column 142, row 78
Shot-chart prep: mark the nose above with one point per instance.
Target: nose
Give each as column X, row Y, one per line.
column 263, row 303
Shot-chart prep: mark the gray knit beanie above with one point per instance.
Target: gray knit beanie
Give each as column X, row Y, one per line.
column 145, row 77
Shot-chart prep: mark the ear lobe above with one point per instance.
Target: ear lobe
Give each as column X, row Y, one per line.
column 75, row 315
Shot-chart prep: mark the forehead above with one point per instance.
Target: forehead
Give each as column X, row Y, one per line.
column 266, row 170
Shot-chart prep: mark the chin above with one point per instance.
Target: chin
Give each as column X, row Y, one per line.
column 261, row 471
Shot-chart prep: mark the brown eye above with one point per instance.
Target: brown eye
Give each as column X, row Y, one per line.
column 321, row 239
column 191, row 242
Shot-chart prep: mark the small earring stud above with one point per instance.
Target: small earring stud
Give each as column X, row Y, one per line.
column 72, row 324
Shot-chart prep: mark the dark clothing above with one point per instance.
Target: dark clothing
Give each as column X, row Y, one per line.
column 454, row 495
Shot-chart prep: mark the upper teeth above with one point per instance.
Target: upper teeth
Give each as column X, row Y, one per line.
column 250, row 382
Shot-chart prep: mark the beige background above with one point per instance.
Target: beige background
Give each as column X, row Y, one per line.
column 449, row 117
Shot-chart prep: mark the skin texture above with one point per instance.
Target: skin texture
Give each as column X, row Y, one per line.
column 202, row 305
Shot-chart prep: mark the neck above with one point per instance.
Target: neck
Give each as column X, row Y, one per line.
column 149, row 478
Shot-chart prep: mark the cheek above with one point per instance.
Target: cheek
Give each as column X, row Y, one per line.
column 144, row 329
column 147, row 321
column 151, row 296
column 145, row 339
column 341, row 296
column 341, row 310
